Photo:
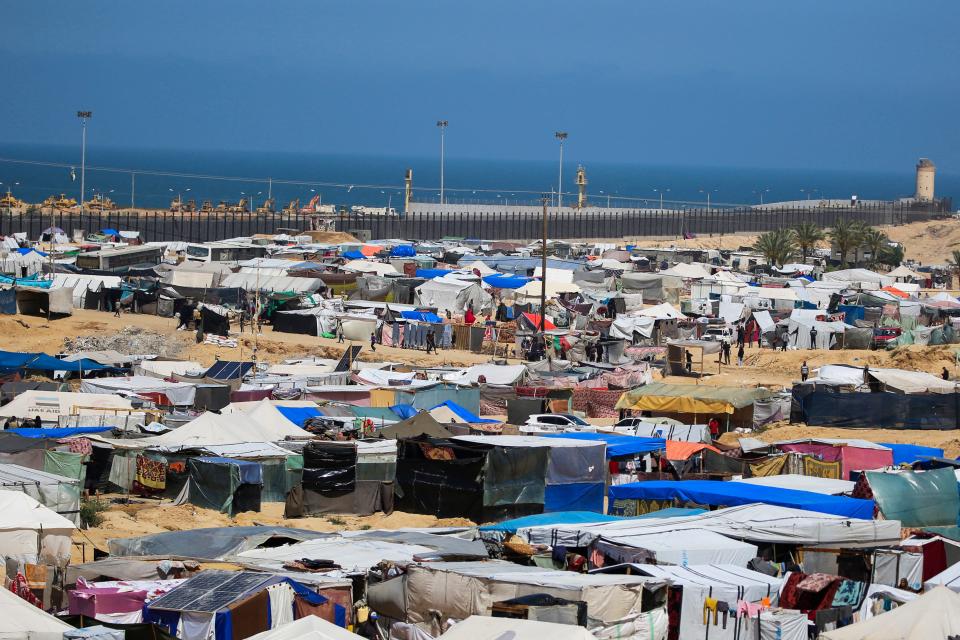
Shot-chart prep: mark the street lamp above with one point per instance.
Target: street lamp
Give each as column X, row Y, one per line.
column 760, row 193
column 84, row 116
column 708, row 192
column 561, row 136
column 660, row 191
column 442, row 124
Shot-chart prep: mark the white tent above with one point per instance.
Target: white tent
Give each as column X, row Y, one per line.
column 31, row 532
column 859, row 278
column 935, row 614
column 307, row 628
column 60, row 493
column 493, row 373
column 554, row 274
column 257, row 425
column 532, row 290
column 904, row 274
column 662, row 311
column 480, row 267
column 489, row 628
column 24, row 621
column 50, row 405
column 369, row 266
column 167, row 368
column 179, row 393
column 826, row 486
column 452, row 294
column 949, row 578
column 686, row 271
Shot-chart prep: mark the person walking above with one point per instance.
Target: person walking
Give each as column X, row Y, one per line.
column 813, row 337
column 740, row 335
column 373, row 341
column 804, row 371
column 740, row 355
column 725, row 351
column 945, row 374
column 431, row 341
column 339, row 330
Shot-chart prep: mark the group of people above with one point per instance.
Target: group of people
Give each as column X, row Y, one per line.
column 26, row 423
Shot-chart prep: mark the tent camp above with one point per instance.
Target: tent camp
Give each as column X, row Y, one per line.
column 935, row 614
column 60, row 493
column 451, row 294
column 50, row 405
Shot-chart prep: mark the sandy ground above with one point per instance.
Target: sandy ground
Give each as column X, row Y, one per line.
column 26, row 333
column 143, row 517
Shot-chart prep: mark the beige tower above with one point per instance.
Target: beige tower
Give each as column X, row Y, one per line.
column 407, row 190
column 581, row 187
column 926, row 173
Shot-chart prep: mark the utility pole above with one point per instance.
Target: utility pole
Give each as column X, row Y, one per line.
column 269, row 188
column 133, row 188
column 561, row 136
column 442, row 124
column 84, row 116
column 543, row 274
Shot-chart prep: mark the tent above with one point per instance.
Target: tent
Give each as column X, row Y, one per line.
column 917, row 498
column 60, row 493
column 694, row 402
column 306, row 628
column 852, row 454
column 227, row 485
column 50, row 405
column 449, row 412
column 935, row 614
column 721, row 493
column 26, row 527
column 353, row 477
column 178, row 393
column 618, row 446
column 489, row 628
column 25, row 621
column 420, row 424
column 451, row 294
column 910, row 453
column 826, row 486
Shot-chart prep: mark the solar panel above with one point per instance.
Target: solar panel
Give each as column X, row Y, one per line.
column 210, row 591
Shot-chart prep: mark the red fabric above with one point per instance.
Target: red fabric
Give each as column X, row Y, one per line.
column 20, row 587
column 934, row 558
column 851, row 458
column 534, row 319
column 469, row 317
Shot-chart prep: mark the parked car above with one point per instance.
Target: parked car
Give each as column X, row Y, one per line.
column 719, row 334
column 884, row 337
column 555, row 422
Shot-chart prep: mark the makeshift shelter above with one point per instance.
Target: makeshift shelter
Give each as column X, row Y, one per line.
column 31, row 532
column 23, row 620
column 852, row 454
column 435, row 591
column 345, row 477
column 36, row 301
column 227, row 485
column 693, row 403
column 226, row 604
column 451, row 294
column 490, row 628
column 449, row 412
column 680, row 353
column 419, row 424
column 575, row 473
column 50, row 405
column 174, row 393
column 935, row 614
column 721, row 493
column 59, row 493
column 884, row 410
column 916, row 498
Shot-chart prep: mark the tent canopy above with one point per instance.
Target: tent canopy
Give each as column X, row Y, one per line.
column 488, row 628
column 721, row 493
column 617, row 445
column 935, row 614
column 684, row 398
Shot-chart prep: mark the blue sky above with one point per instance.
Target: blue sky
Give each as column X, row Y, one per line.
column 849, row 84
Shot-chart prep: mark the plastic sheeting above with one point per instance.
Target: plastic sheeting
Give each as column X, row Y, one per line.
column 824, row 408
column 721, row 493
column 917, row 499
column 674, row 398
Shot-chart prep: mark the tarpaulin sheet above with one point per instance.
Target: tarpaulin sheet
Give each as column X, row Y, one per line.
column 56, row 432
column 443, row 488
column 544, row 519
column 917, row 498
column 498, row 281
column 421, row 316
column 617, row 445
column 432, row 273
column 212, row 486
column 8, row 302
column 720, row 493
column 14, row 360
column 515, row 476
column 824, row 408
column 910, row 453
column 403, row 251
column 403, row 411
column 676, row 398
column 679, row 450
column 464, row 414
column 299, row 415
column 580, row 496
column 250, row 472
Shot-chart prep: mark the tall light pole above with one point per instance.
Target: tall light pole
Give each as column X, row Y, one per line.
column 543, row 275
column 708, row 192
column 84, row 116
column 442, row 124
column 561, row 136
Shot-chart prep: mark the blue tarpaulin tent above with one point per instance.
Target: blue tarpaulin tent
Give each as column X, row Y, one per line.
column 354, row 255
column 499, row 281
column 422, row 316
column 13, row 361
column 617, row 445
column 731, row 494
column 430, row 274
column 910, row 453
column 109, row 232
column 462, row 413
column 299, row 415
column 228, row 370
column 578, row 517
column 55, row 432
column 403, row 251
column 25, row 250
column 404, row 410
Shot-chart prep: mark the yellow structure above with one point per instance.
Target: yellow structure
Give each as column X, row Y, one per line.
column 407, row 190
column 581, row 187
column 8, row 201
column 926, row 172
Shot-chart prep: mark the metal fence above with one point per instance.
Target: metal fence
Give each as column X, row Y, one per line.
column 497, row 224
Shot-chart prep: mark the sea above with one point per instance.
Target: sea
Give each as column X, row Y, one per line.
column 153, row 178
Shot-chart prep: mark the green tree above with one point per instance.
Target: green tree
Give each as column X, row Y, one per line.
column 892, row 256
column 846, row 236
column 874, row 241
column 776, row 246
column 807, row 236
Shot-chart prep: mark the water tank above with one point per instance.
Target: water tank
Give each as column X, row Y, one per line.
column 926, row 172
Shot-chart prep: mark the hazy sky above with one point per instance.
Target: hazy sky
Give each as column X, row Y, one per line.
column 856, row 84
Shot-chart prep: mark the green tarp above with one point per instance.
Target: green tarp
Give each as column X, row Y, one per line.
column 917, row 498
column 736, row 397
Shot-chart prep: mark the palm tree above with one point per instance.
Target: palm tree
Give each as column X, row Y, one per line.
column 776, row 246
column 892, row 256
column 846, row 236
column 807, row 236
column 874, row 241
